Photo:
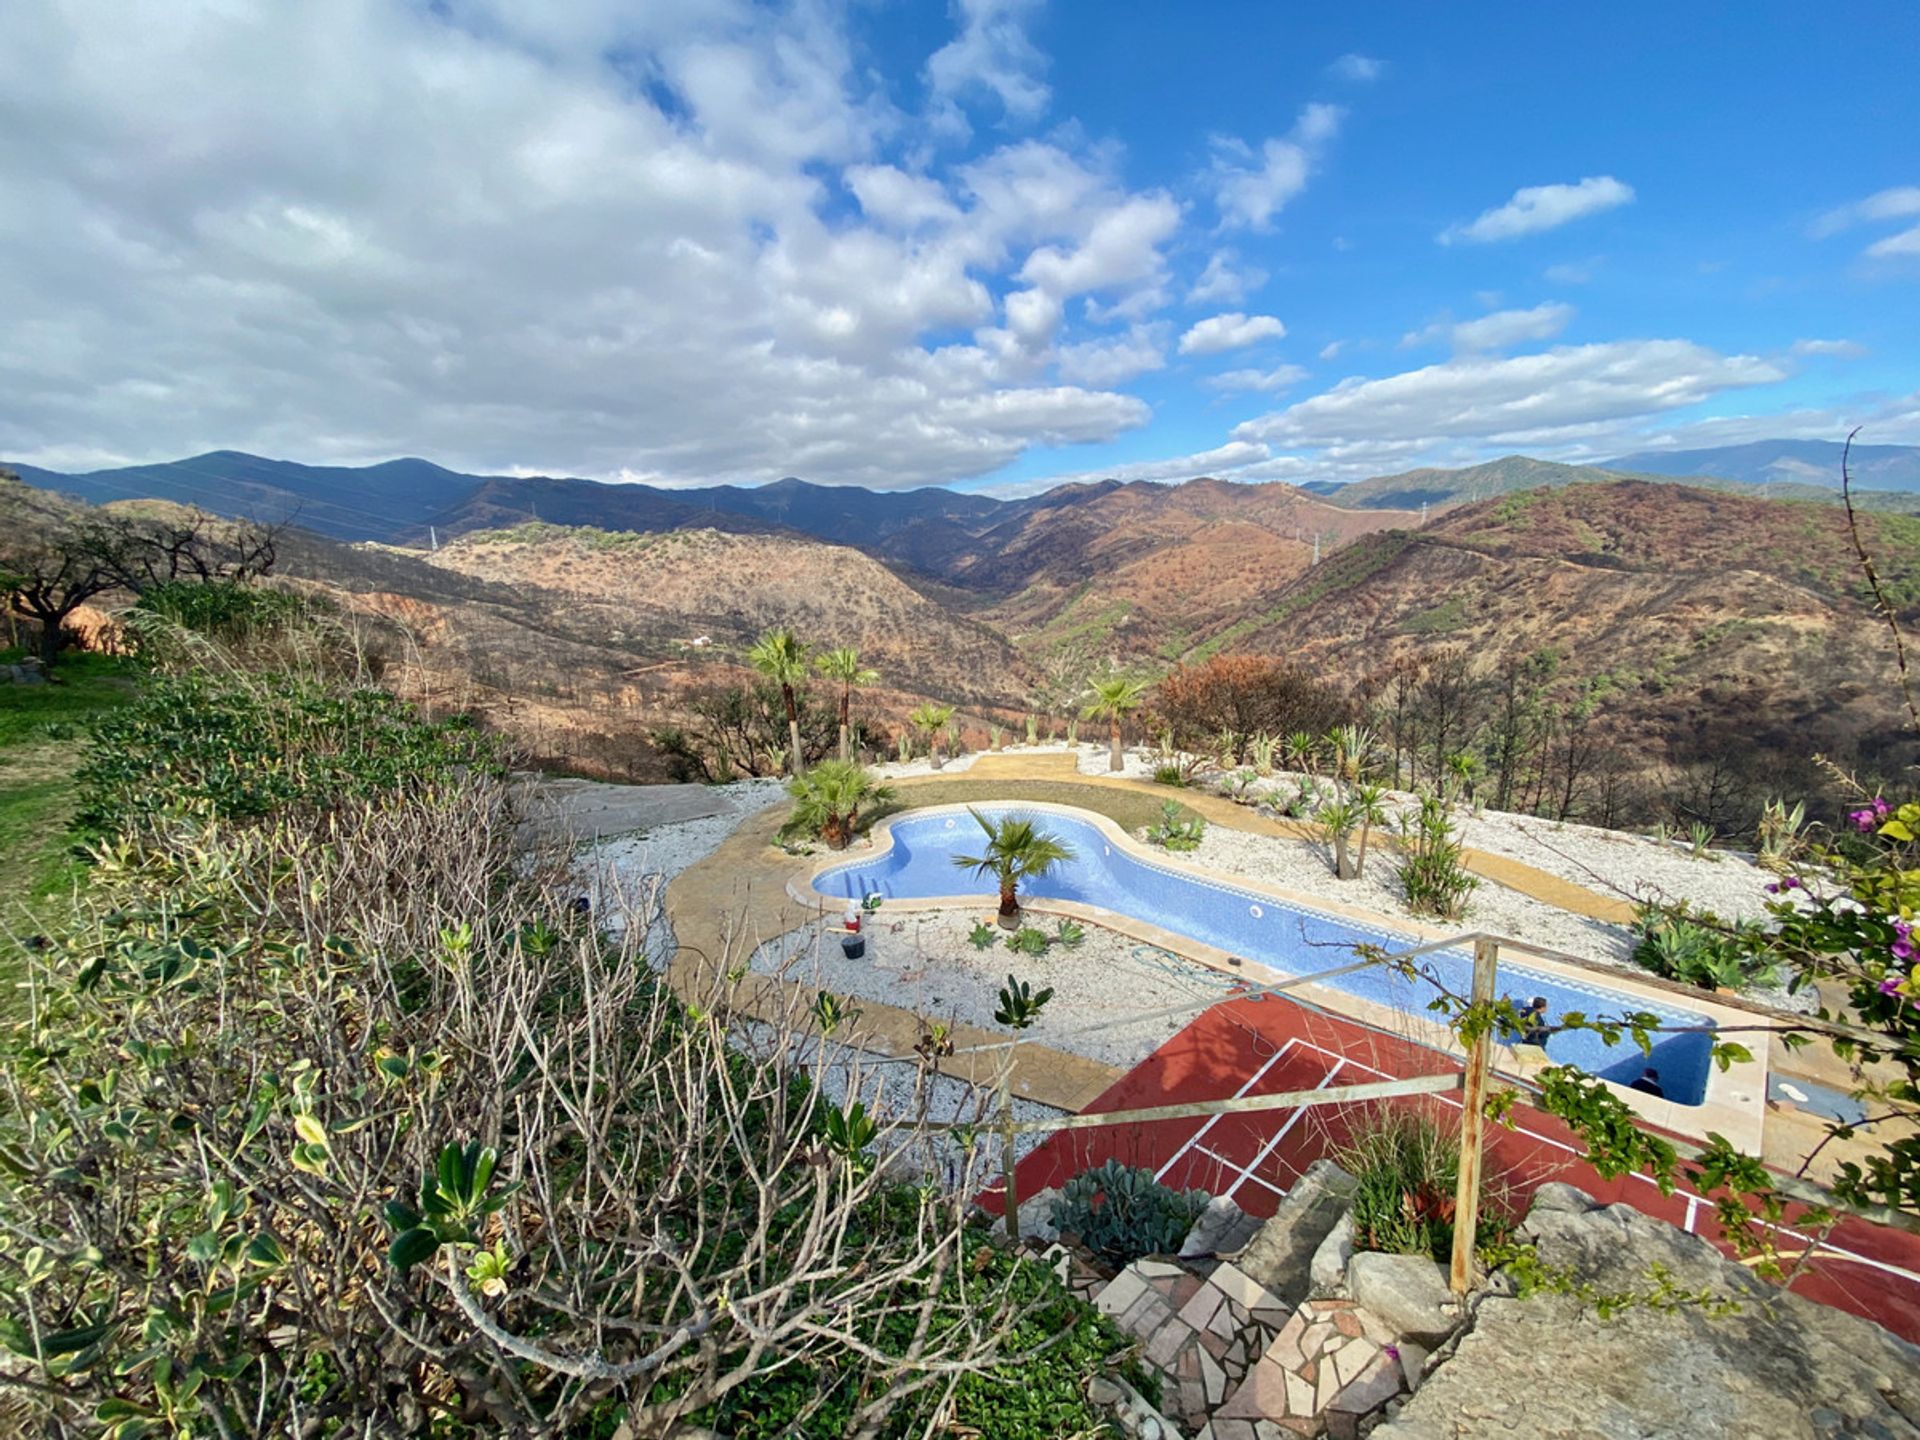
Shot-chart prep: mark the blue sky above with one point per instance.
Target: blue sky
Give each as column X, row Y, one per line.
column 992, row 245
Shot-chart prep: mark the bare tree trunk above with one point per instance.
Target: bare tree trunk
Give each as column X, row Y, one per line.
column 1115, row 761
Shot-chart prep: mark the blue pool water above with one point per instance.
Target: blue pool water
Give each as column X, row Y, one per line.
column 1256, row 927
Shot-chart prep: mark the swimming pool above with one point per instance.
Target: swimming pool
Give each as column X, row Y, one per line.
column 1294, row 939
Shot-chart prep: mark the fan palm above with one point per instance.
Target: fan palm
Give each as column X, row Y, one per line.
column 932, row 720
column 842, row 665
column 1113, row 700
column 1016, row 850
column 783, row 659
column 828, row 799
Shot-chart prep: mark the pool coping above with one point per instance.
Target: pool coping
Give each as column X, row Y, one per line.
column 1735, row 1101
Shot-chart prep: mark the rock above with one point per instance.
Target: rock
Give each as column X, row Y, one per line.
column 1408, row 1292
column 1787, row 1368
column 1222, row 1229
column 1036, row 1216
column 1327, row 1274
column 1413, row 1361
column 1557, row 1195
column 1131, row 1412
column 1281, row 1255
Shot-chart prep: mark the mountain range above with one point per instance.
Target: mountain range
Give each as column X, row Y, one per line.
column 1704, row 617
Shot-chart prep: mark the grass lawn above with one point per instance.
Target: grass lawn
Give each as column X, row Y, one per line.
column 1130, row 809
column 42, row 728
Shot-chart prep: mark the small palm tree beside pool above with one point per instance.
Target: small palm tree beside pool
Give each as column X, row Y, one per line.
column 828, row 799
column 1113, row 700
column 1016, row 850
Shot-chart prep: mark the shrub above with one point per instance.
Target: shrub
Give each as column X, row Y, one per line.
column 1433, row 877
column 1169, row 773
column 196, row 748
column 1407, row 1169
column 1171, row 832
column 1122, row 1213
column 260, row 1028
column 1696, row 948
column 828, row 801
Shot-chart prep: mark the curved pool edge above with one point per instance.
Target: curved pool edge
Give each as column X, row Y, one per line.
column 1735, row 1101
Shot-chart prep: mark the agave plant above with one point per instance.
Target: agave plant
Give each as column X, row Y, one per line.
column 996, row 736
column 1016, row 850
column 828, row 800
column 1352, row 748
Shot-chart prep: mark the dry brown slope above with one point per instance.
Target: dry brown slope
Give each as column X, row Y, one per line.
column 1142, row 567
column 660, row 592
column 1694, row 609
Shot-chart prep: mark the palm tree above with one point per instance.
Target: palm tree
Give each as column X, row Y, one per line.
column 1015, row 851
column 842, row 665
column 931, row 720
column 1113, row 699
column 827, row 801
column 1339, row 819
column 1370, row 806
column 783, row 660
column 1462, row 767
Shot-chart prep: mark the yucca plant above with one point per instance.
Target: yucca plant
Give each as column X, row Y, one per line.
column 1433, row 874
column 1352, row 749
column 1370, row 806
column 1113, row 700
column 828, row 799
column 1303, row 752
column 1461, row 768
column 1340, row 819
column 1016, row 850
column 1778, row 836
column 996, row 736
column 1263, row 746
column 1033, row 730
column 1700, row 838
column 904, row 747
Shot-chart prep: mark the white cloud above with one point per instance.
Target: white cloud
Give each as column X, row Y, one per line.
column 1573, row 272
column 466, row 232
column 1552, row 397
column 1252, row 187
column 1332, row 349
column 1894, row 204
column 1220, row 462
column 1501, row 330
column 1115, row 359
column 1839, row 349
column 1230, row 331
column 991, row 55
column 1226, row 279
column 1281, row 377
column 1534, row 208
column 1905, row 242
column 1357, row 68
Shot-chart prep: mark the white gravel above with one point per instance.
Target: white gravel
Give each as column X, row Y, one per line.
column 922, row 961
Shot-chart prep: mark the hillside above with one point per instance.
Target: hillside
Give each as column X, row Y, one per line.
column 1413, row 489
column 1773, row 462
column 1698, row 614
column 659, row 593
column 1137, row 570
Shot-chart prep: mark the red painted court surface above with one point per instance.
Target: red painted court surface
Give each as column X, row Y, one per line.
column 1264, row 1046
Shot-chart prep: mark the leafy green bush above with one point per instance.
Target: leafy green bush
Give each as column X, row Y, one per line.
column 1169, row 773
column 192, row 746
column 1697, row 948
column 1122, row 1213
column 1433, row 872
column 1171, row 832
column 224, row 611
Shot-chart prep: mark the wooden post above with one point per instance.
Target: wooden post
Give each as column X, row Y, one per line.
column 1008, row 1155
column 1466, row 1197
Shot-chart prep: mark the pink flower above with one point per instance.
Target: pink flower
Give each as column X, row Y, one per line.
column 1864, row 820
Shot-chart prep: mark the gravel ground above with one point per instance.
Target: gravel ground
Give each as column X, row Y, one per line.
column 922, row 961
column 887, row 1088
